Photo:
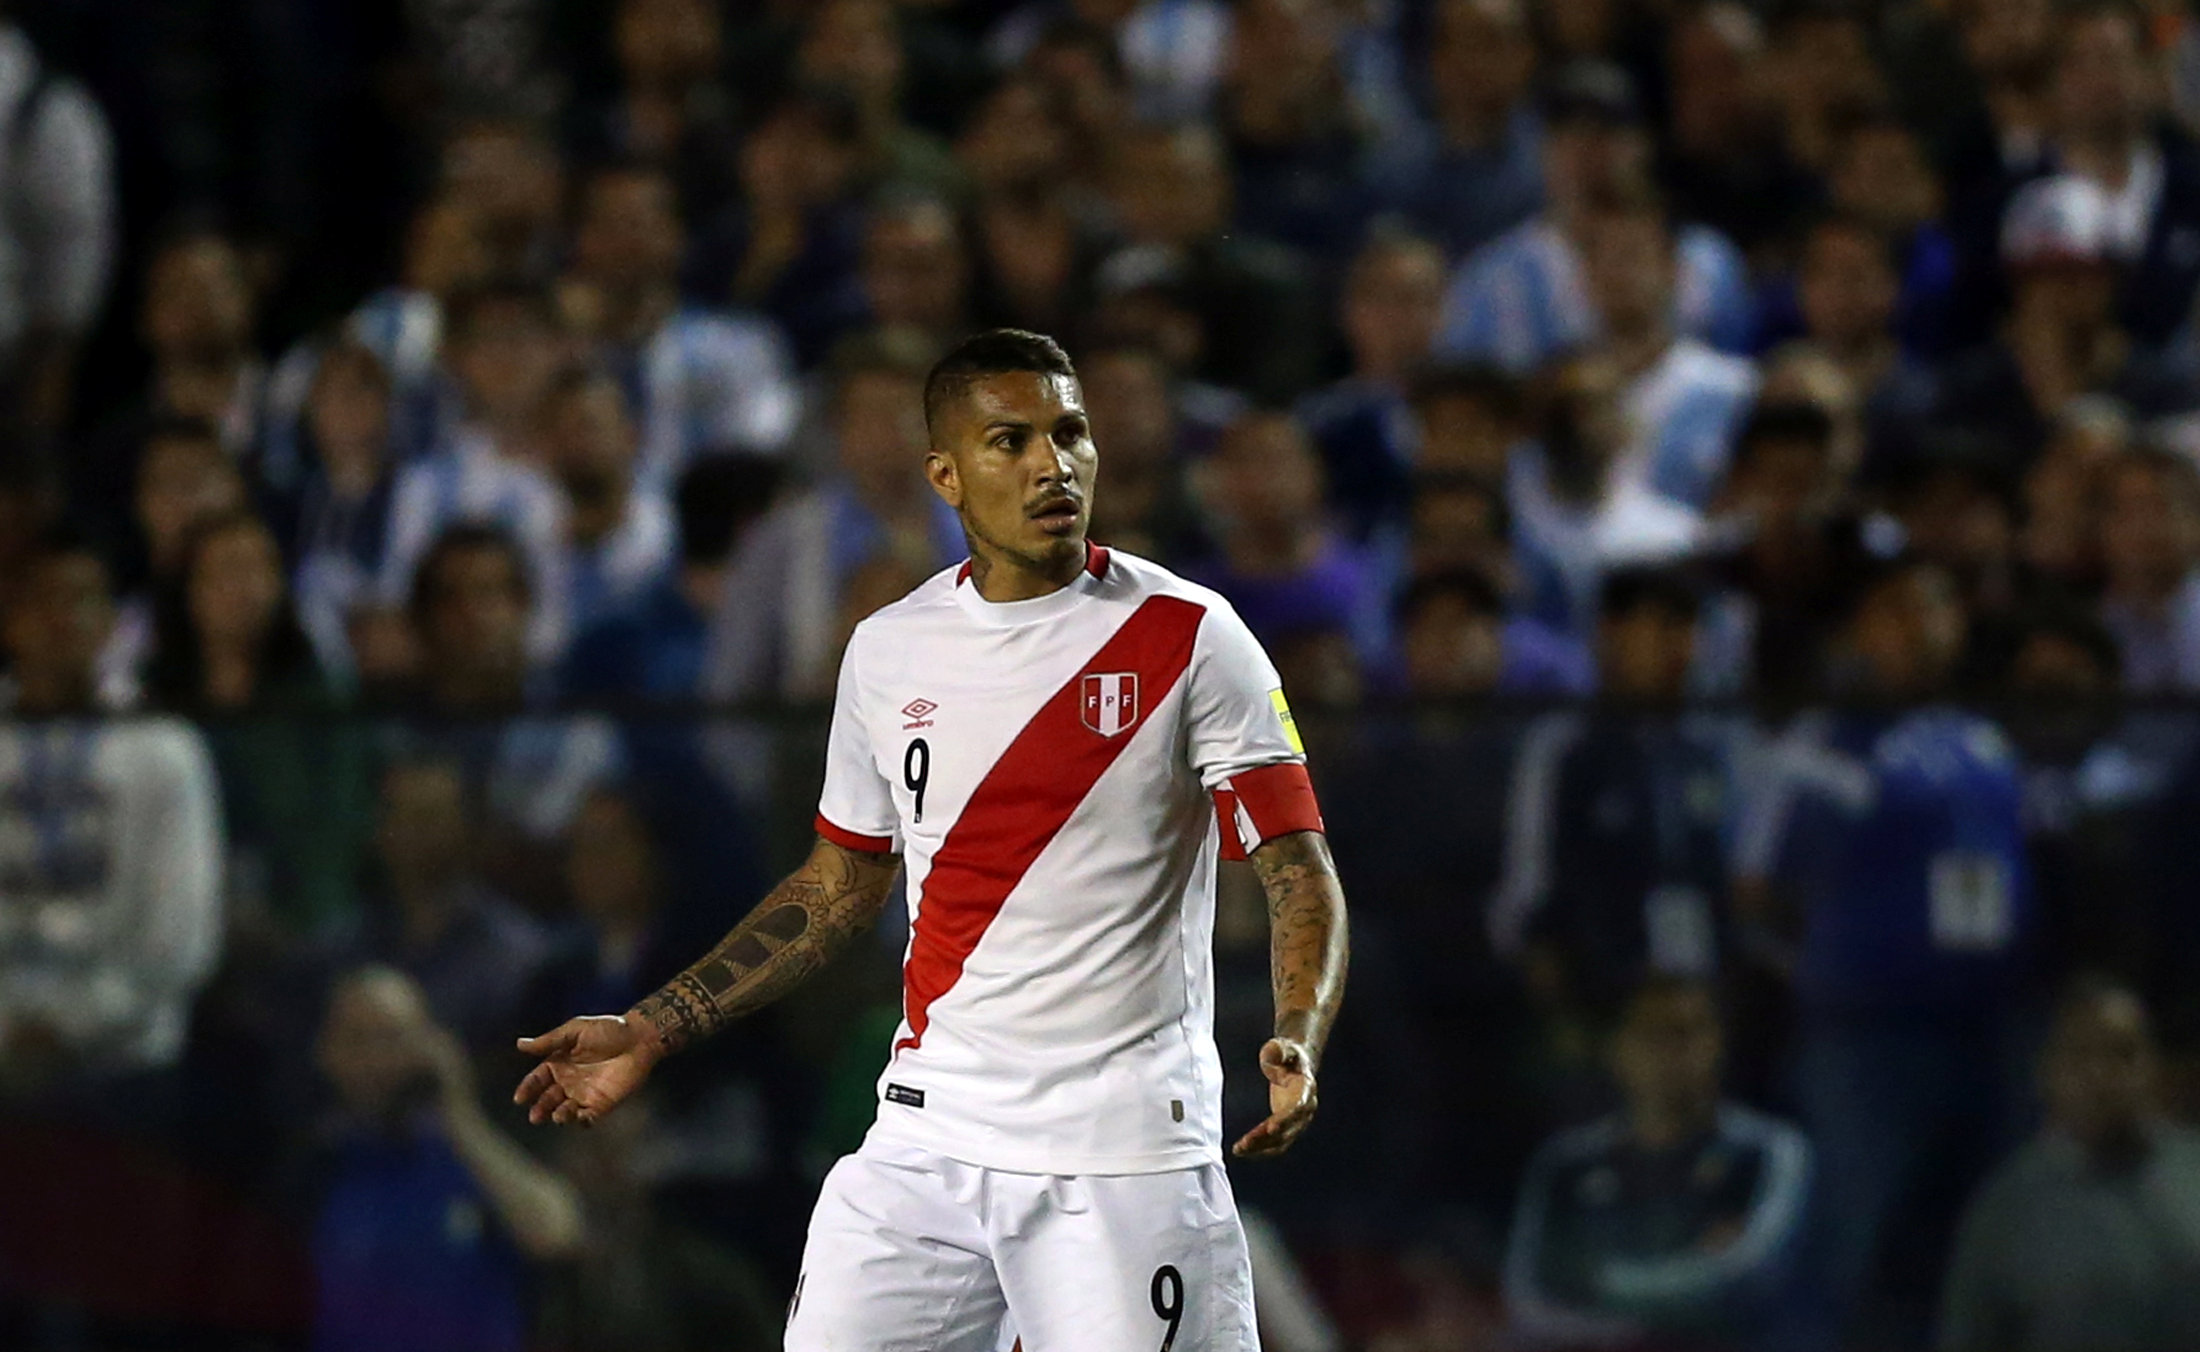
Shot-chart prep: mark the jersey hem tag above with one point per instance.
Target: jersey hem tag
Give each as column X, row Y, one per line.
column 905, row 1096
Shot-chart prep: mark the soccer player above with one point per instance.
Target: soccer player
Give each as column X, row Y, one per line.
column 1059, row 741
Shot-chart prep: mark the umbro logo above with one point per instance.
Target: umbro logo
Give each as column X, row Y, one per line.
column 919, row 713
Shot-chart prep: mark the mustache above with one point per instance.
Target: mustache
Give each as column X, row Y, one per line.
column 1040, row 506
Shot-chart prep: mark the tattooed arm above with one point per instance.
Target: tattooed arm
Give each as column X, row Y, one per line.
column 1307, row 954
column 592, row 1064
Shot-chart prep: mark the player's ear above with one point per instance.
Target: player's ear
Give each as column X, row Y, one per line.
column 940, row 472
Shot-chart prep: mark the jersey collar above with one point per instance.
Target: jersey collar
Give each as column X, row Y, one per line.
column 1054, row 603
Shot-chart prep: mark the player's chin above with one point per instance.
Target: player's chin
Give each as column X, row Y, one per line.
column 1057, row 537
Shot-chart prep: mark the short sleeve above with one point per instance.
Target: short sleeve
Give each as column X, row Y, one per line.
column 856, row 809
column 1244, row 743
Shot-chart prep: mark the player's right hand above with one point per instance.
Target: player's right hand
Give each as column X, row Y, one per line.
column 589, row 1066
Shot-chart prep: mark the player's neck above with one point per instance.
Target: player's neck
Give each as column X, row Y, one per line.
column 1001, row 577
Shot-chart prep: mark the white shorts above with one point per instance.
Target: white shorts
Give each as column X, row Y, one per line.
column 913, row 1252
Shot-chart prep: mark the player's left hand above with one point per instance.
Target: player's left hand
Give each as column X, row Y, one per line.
column 1291, row 1099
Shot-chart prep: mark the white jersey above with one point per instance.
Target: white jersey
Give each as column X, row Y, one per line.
column 1051, row 771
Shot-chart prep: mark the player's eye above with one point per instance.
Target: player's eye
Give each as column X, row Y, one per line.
column 1069, row 433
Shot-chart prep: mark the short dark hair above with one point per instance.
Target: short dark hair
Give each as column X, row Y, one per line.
column 1433, row 482
column 991, row 353
column 464, row 538
column 1784, row 420
column 1667, row 589
column 463, row 311
column 1470, row 585
column 1477, row 382
column 2076, row 626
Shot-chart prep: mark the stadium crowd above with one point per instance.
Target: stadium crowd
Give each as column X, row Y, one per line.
column 1721, row 482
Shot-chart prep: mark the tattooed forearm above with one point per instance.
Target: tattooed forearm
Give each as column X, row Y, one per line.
column 1306, row 934
column 796, row 930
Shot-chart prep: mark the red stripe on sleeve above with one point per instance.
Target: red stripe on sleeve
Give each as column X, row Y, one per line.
column 1233, row 845
column 1279, row 799
column 1026, row 797
column 853, row 840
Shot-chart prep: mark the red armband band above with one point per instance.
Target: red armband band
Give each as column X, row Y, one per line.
column 1276, row 800
column 853, row 840
column 1226, row 816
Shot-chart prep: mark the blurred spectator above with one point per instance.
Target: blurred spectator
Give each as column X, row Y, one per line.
column 509, row 176
column 1728, row 160
column 2149, row 526
column 1880, row 176
column 1014, row 142
column 1460, row 522
column 1683, row 400
column 854, row 47
column 791, row 247
column 624, row 939
column 1455, row 642
column 293, row 775
column 504, row 347
column 1522, row 299
column 1789, row 541
column 1848, row 297
column 110, row 858
column 1293, row 146
column 1821, row 72
column 2062, row 339
column 697, row 382
column 1679, row 1221
column 1615, row 852
column 1576, row 515
column 57, row 234
column 672, row 107
column 184, row 477
column 1958, row 510
column 2090, row 1235
column 916, row 268
column 1476, row 167
column 653, row 645
column 619, row 525
column 1172, row 50
column 475, row 955
column 428, row 1215
column 1171, row 192
column 1362, row 423
column 1897, row 839
column 1277, row 561
column 776, row 628
column 1035, row 256
column 1142, row 503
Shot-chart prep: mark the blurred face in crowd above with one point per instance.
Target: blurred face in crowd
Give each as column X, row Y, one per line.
column 348, row 412
column 1454, row 647
column 474, row 629
column 798, row 158
column 367, row 1044
column 1319, row 667
column 878, row 426
column 2101, row 81
column 667, row 43
column 59, row 619
column 915, row 272
column 1170, row 186
column 2101, row 1072
column 2056, row 666
column 1909, row 632
column 234, row 584
column 198, row 302
column 1264, row 476
column 1581, row 28
column 1667, row 1053
column 630, row 237
column 590, row 440
column 1480, row 58
column 1391, row 303
column 610, row 869
column 1014, row 140
column 1880, row 173
column 2008, row 41
column 1584, row 426
column 1013, row 455
column 2060, row 504
column 1713, row 55
column 1847, row 287
column 1954, row 519
column 507, row 177
column 2072, row 296
column 182, row 481
column 1458, row 523
column 505, row 356
column 1627, row 262
column 1279, row 75
column 1780, row 480
column 445, row 251
column 852, row 45
column 1585, row 156
column 421, row 834
column 1644, row 653
column 1128, row 394
column 1465, row 434
column 2149, row 528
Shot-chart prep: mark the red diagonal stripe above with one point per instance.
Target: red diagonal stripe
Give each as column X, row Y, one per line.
column 1027, row 796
